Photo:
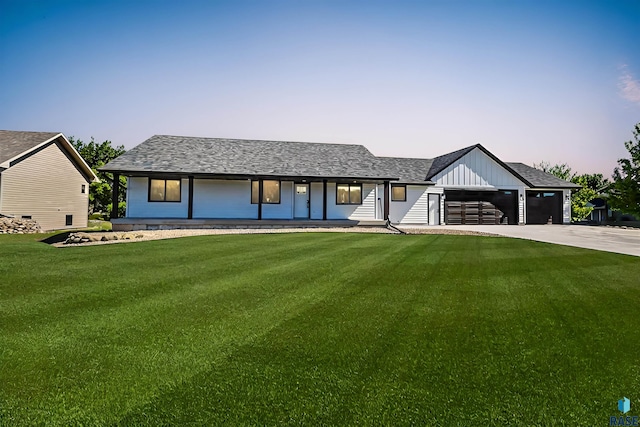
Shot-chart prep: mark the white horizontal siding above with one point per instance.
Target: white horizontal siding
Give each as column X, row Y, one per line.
column 139, row 205
column 476, row 169
column 364, row 211
column 284, row 209
column 412, row 211
column 223, row 199
column 48, row 187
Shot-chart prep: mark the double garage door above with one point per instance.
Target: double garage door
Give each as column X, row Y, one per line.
column 481, row 207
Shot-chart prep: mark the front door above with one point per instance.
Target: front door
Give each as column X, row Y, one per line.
column 434, row 209
column 301, row 201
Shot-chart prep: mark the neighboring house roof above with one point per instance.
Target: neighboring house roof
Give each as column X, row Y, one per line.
column 16, row 146
column 597, row 203
column 217, row 156
column 15, row 143
column 540, row 179
column 409, row 170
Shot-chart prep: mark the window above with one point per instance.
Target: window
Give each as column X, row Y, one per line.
column 301, row 189
column 270, row 191
column 26, row 216
column 84, row 189
column 255, row 192
column 68, row 220
column 164, row 190
column 349, row 194
column 399, row 193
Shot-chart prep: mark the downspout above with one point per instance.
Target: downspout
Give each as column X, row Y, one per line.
column 394, row 228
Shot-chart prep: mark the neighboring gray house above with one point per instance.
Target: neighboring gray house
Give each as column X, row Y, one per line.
column 42, row 177
column 176, row 181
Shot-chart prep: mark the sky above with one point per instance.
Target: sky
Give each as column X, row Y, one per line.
column 531, row 81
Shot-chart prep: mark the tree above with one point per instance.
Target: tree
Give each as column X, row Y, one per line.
column 562, row 171
column 100, row 193
column 591, row 184
column 624, row 194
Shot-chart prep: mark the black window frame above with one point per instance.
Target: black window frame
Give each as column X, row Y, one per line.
column 349, row 192
column 165, row 190
column 68, row 220
column 83, row 189
column 403, row 186
column 261, row 183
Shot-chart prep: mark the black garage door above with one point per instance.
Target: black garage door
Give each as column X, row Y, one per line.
column 544, row 205
column 481, row 207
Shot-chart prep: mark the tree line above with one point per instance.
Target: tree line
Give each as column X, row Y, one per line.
column 622, row 192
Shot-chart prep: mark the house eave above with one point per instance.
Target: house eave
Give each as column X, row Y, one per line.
column 223, row 176
column 412, row 182
column 555, row 187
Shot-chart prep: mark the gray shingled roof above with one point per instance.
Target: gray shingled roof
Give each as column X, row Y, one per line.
column 216, row 156
column 409, row 170
column 441, row 162
column 538, row 178
column 165, row 154
column 13, row 143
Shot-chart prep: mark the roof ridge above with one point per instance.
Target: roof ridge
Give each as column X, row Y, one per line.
column 404, row 158
column 258, row 140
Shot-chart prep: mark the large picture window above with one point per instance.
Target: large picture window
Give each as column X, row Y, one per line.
column 270, row 191
column 164, row 190
column 398, row 193
column 349, row 194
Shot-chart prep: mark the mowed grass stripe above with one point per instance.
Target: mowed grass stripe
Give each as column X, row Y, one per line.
column 434, row 400
column 319, row 329
column 184, row 306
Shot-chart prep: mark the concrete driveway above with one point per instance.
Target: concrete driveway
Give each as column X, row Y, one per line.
column 610, row 239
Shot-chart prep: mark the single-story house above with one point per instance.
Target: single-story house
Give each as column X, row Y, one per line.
column 43, row 178
column 176, row 181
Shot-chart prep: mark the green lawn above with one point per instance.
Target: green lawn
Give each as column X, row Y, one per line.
column 317, row 329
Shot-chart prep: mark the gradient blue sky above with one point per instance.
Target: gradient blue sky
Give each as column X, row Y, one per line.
column 530, row 80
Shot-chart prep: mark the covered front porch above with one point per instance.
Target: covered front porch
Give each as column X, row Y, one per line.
column 219, row 200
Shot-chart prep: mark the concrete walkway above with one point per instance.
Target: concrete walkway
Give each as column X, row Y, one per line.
column 610, row 239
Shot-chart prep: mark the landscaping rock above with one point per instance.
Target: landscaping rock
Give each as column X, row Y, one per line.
column 9, row 225
column 75, row 238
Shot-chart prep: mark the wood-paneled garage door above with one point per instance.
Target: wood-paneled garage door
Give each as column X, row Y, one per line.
column 481, row 207
column 484, row 213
